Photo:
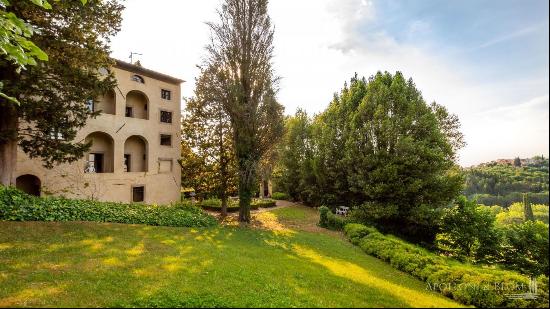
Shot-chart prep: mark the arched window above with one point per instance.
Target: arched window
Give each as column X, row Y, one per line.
column 137, row 78
column 106, row 103
column 136, row 105
column 135, row 154
column 100, row 157
column 29, row 184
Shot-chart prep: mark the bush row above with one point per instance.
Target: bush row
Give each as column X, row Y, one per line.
column 232, row 205
column 264, row 203
column 18, row 206
column 279, row 196
column 215, row 204
column 329, row 220
column 470, row 285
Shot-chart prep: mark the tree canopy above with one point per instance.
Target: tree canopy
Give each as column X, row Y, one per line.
column 381, row 148
column 209, row 164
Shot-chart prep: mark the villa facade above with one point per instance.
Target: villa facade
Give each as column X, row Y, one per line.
column 135, row 145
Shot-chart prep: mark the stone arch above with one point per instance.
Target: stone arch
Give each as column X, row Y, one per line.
column 29, row 184
column 107, row 103
column 136, row 154
column 100, row 157
column 137, row 105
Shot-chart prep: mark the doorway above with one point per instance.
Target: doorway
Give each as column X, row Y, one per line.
column 29, row 184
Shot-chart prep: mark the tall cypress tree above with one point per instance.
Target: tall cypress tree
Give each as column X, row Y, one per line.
column 527, row 209
column 241, row 50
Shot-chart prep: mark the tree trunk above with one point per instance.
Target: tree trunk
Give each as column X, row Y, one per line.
column 224, row 206
column 247, row 186
column 223, row 165
column 223, row 188
column 8, row 142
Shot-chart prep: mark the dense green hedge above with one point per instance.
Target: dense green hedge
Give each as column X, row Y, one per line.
column 470, row 285
column 18, row 206
column 279, row 196
column 329, row 220
column 232, row 205
column 264, row 203
column 215, row 204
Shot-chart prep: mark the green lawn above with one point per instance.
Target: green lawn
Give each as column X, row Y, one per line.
column 285, row 260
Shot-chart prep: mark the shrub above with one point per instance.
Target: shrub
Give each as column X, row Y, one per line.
column 323, row 216
column 215, row 204
column 18, row 206
column 526, row 247
column 470, row 285
column 263, row 203
column 468, row 232
column 331, row 221
column 211, row 202
column 355, row 232
column 279, row 196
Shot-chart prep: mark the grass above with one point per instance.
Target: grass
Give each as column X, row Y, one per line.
column 283, row 260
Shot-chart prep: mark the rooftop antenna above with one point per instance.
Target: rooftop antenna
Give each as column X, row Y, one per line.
column 132, row 56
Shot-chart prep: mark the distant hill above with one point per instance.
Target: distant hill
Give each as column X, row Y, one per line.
column 503, row 181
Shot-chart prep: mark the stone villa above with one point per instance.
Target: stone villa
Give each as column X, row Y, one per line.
column 135, row 145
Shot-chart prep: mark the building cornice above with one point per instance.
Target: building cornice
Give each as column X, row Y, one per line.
column 146, row 72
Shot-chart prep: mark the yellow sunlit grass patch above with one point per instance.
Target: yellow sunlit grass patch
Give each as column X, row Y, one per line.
column 27, row 295
column 112, row 261
column 363, row 276
column 136, row 250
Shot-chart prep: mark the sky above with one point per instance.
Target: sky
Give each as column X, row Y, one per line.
column 486, row 61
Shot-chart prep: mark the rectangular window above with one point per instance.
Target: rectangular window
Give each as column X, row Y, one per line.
column 165, row 94
column 90, row 105
column 138, row 194
column 129, row 112
column 165, row 117
column 166, row 140
column 165, row 165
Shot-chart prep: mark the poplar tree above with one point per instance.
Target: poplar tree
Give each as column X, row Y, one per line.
column 241, row 51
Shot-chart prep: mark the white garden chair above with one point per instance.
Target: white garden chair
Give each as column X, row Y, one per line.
column 342, row 210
